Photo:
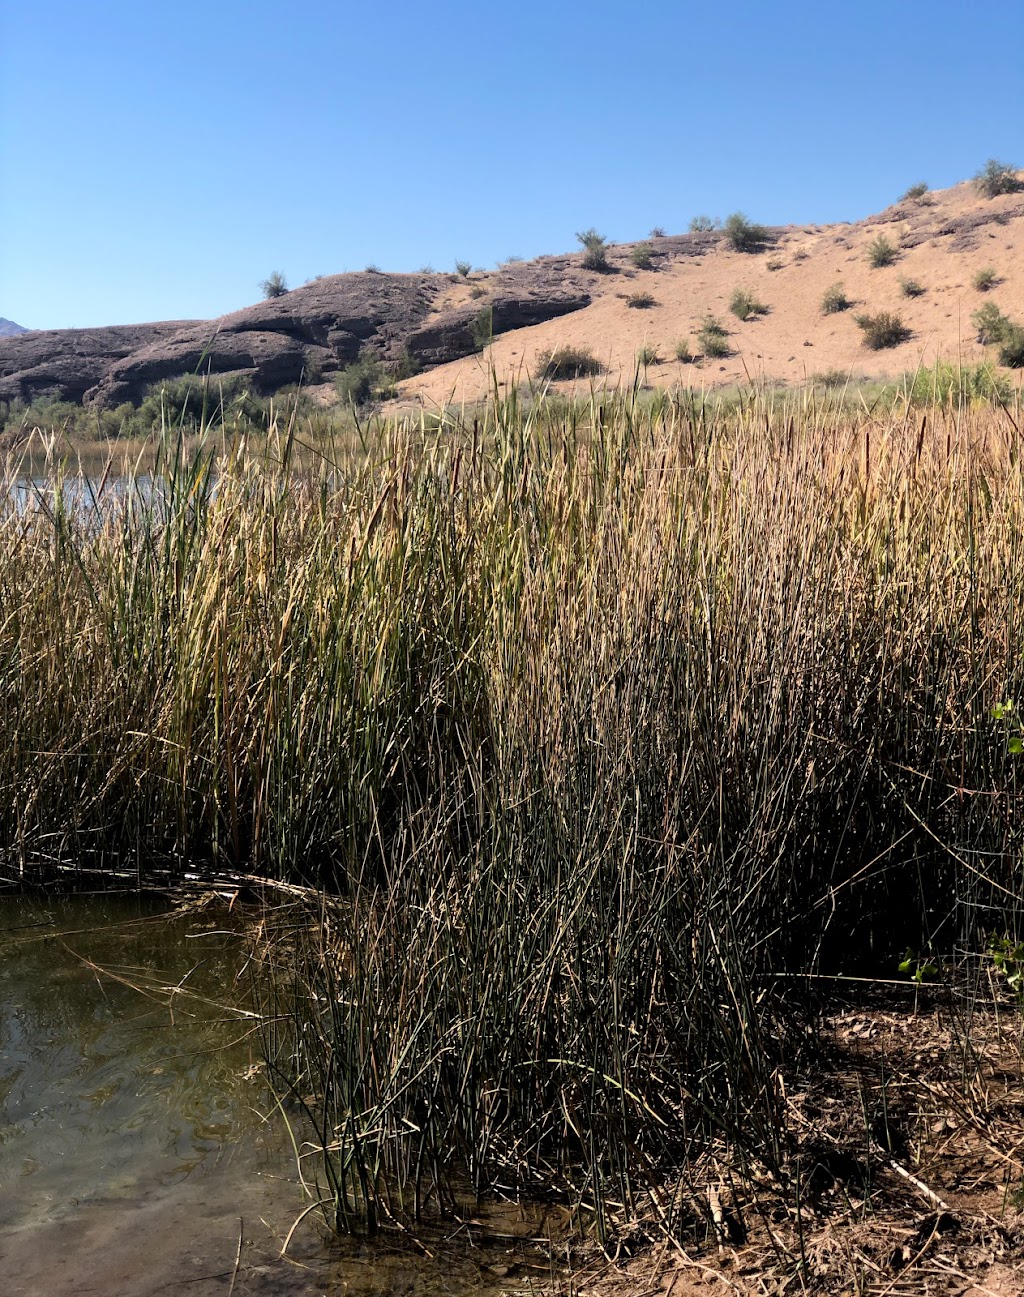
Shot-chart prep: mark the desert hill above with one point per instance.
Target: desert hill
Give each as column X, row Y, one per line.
column 8, row 328
column 456, row 328
column 943, row 240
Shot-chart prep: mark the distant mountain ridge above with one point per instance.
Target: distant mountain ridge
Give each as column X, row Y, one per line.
column 8, row 328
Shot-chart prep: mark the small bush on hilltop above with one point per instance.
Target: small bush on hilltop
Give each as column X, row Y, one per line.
column 985, row 279
column 657, row 232
column 567, row 362
column 642, row 256
column 915, row 192
column 997, row 178
column 744, row 235
column 463, row 268
column 744, row 305
column 885, row 329
column 595, row 250
column 713, row 338
column 704, row 224
column 882, row 252
column 835, row 300
column 275, row 285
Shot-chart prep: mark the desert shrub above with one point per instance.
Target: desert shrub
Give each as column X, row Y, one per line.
column 773, row 263
column 831, row 378
column 567, row 362
column 704, row 224
column 1011, row 347
column 914, row 192
column 641, row 301
column 835, row 300
column 990, row 323
column 641, row 256
column 885, row 329
column 947, row 384
column 713, row 338
column 275, row 285
column 997, row 178
column 463, row 268
column 648, row 355
column 373, row 269
column 595, row 250
column 744, row 235
column 427, row 270
column 481, row 327
column 192, row 401
column 657, row 232
column 364, row 382
column 985, row 279
column 882, row 252
column 405, row 366
column 744, row 305
column 912, row 288
column 682, row 351
column 478, row 290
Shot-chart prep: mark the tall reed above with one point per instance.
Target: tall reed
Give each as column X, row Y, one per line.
column 596, row 722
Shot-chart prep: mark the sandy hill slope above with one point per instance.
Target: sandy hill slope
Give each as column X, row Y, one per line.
column 944, row 239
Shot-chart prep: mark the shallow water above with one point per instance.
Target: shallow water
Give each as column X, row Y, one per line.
column 141, row 1152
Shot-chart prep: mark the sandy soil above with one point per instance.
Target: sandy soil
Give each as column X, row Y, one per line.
column 944, row 241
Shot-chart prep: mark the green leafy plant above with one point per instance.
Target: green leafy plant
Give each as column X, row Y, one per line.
column 364, row 382
column 595, row 250
column 918, row 966
column 641, row 301
column 463, row 268
column 882, row 252
column 1011, row 347
column 567, row 362
column 957, row 385
column 704, row 224
column 745, row 235
column 985, row 279
column 745, row 306
column 835, row 300
column 997, row 178
column 481, row 327
column 275, row 285
column 642, row 256
column 990, row 323
column 883, row 330
column 648, row 355
column 1008, row 958
column 682, row 351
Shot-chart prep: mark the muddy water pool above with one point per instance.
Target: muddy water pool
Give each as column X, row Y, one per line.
column 141, row 1151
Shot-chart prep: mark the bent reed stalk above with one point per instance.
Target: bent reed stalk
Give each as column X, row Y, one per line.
column 591, row 720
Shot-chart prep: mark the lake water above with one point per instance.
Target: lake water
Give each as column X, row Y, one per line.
column 141, row 1152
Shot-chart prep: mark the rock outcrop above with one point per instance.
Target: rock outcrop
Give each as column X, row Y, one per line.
column 308, row 333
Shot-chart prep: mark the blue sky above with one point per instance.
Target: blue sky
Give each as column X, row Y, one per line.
column 157, row 160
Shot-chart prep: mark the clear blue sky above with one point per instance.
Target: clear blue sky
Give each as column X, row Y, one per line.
column 158, row 159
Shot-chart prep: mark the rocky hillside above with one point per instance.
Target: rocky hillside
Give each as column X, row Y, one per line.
column 8, row 328
column 647, row 306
